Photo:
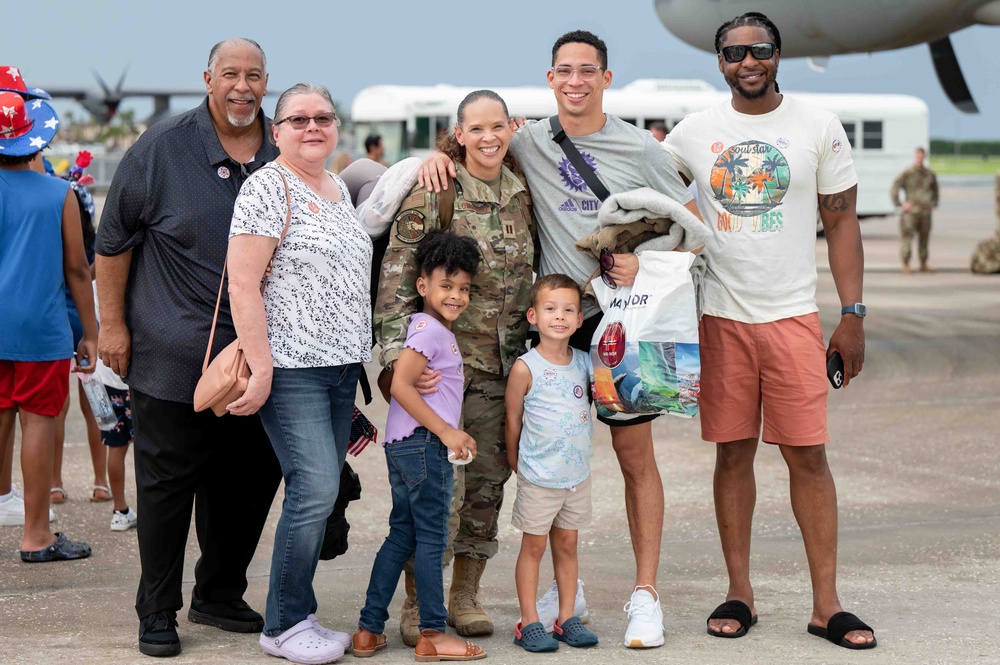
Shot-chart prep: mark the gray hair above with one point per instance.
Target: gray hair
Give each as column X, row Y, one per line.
column 302, row 89
column 213, row 55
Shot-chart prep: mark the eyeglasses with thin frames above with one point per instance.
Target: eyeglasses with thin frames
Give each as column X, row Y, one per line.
column 607, row 262
column 586, row 72
column 737, row 52
column 302, row 121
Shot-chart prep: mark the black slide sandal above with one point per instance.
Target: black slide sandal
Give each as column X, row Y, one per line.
column 839, row 625
column 737, row 610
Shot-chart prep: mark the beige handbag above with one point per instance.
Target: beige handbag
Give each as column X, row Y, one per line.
column 225, row 378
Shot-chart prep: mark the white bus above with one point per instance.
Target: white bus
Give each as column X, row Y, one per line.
column 883, row 130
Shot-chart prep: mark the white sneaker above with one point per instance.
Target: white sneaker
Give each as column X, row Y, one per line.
column 645, row 627
column 120, row 522
column 12, row 510
column 548, row 606
column 343, row 639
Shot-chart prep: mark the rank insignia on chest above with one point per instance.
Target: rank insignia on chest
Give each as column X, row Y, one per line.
column 410, row 226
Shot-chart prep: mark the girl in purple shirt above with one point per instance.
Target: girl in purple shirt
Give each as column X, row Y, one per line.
column 420, row 432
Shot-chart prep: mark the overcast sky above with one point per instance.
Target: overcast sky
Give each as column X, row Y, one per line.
column 348, row 46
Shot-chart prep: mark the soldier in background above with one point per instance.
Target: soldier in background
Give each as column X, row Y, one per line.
column 920, row 188
column 986, row 255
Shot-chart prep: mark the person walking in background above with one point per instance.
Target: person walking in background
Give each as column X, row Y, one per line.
column 374, row 148
column 41, row 249
column 100, row 490
column 116, row 442
column 920, row 196
column 304, row 338
column 161, row 246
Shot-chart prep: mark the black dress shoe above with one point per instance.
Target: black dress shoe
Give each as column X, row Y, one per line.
column 235, row 616
column 158, row 634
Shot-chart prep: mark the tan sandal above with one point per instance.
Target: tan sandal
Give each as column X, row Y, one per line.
column 426, row 652
column 62, row 495
column 100, row 488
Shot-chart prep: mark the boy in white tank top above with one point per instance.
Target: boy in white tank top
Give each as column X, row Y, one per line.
column 548, row 434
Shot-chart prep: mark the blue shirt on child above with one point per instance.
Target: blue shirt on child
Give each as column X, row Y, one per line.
column 555, row 449
column 34, row 324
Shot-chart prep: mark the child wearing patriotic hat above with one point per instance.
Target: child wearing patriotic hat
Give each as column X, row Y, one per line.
column 41, row 247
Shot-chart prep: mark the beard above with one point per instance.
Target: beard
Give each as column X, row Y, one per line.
column 737, row 86
column 241, row 122
column 236, row 121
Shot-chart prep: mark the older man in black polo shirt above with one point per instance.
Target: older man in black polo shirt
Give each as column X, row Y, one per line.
column 161, row 246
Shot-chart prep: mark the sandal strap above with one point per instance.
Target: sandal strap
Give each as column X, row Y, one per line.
column 284, row 637
column 733, row 609
column 842, row 623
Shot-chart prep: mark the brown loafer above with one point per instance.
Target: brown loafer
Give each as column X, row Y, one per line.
column 366, row 643
column 427, row 653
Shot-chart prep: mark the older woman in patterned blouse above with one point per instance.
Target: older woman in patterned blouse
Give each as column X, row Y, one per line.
column 305, row 339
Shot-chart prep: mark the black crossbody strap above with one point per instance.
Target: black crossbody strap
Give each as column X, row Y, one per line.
column 577, row 160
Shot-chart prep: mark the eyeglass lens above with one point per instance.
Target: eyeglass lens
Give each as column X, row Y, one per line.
column 587, row 73
column 737, row 52
column 302, row 121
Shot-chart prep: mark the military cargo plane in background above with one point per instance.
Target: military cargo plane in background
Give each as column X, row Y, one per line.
column 103, row 105
column 818, row 29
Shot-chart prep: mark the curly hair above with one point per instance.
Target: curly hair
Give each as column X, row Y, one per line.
column 551, row 282
column 753, row 19
column 449, row 145
column 448, row 250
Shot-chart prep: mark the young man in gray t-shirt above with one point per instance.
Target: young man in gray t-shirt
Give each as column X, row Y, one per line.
column 624, row 158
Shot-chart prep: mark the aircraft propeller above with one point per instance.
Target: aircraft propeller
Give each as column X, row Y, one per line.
column 949, row 74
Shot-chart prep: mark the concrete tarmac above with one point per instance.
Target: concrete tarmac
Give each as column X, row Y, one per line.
column 913, row 452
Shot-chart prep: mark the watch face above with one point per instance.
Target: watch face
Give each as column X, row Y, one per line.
column 860, row 309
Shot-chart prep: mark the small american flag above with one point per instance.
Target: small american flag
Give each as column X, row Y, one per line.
column 363, row 432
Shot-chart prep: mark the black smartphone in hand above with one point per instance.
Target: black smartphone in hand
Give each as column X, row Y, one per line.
column 835, row 370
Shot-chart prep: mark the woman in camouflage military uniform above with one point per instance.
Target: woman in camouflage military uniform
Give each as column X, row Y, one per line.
column 492, row 206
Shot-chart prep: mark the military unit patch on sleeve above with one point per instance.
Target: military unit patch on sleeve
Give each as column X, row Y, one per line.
column 410, row 226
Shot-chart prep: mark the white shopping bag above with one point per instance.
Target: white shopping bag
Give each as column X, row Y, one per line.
column 645, row 350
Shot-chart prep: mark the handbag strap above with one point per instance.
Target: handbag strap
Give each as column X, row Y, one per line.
column 267, row 270
column 584, row 169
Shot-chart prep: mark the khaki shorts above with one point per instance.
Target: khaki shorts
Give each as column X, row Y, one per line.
column 775, row 369
column 537, row 509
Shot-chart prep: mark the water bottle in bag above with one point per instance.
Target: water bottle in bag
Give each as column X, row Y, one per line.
column 97, row 395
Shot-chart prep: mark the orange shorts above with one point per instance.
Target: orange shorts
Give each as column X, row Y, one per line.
column 777, row 368
column 37, row 387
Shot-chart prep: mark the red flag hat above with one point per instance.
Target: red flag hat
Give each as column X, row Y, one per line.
column 26, row 126
column 11, row 81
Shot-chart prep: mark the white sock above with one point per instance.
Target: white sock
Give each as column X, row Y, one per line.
column 7, row 496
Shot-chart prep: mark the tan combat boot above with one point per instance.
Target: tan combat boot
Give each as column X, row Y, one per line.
column 465, row 613
column 409, row 614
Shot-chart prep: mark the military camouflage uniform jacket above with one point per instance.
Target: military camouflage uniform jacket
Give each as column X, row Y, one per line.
column 919, row 186
column 491, row 332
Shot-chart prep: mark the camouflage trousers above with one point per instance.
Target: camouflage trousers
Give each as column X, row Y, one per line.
column 477, row 493
column 910, row 224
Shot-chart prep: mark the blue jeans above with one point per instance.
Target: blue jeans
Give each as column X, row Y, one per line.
column 308, row 419
column 421, row 478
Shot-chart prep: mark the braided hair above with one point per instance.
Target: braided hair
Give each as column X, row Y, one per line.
column 752, row 19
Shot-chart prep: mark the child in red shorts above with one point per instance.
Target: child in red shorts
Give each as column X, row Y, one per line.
column 41, row 248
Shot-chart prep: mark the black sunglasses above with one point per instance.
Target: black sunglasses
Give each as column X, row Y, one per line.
column 607, row 262
column 736, row 53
